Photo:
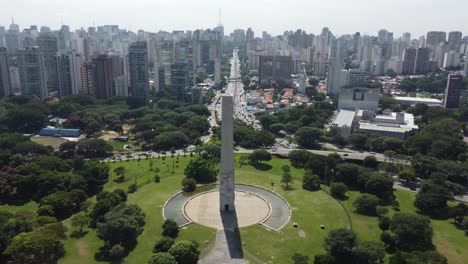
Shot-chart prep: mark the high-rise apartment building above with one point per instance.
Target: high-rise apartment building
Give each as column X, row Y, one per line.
column 69, row 75
column 138, row 70
column 103, row 76
column 453, row 91
column 5, row 82
column 48, row 44
column 32, row 71
column 181, row 79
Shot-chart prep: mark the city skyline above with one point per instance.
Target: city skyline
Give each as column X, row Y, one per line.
column 342, row 17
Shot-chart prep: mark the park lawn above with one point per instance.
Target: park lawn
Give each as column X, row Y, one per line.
column 118, row 145
column 150, row 197
column 48, row 141
column 310, row 210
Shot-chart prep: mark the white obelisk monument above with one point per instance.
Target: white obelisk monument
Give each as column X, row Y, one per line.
column 226, row 188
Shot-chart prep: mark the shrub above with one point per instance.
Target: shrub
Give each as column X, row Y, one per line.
column 185, row 252
column 189, row 184
column 170, row 228
column 117, row 252
column 162, row 258
column 163, row 245
column 132, row 188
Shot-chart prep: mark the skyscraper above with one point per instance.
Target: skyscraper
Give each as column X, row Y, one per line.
column 48, row 44
column 181, row 78
column 465, row 72
column 409, row 61
column 406, row 38
column 32, row 71
column 421, row 65
column 453, row 91
column 68, row 68
column 5, row 83
column 455, row 40
column 275, row 70
column 12, row 41
column 102, row 76
column 138, row 70
column 435, row 37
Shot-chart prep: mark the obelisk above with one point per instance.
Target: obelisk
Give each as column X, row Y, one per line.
column 226, row 188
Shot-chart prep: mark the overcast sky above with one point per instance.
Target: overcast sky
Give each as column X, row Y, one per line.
column 274, row 16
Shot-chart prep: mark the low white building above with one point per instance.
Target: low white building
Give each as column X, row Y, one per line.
column 418, row 100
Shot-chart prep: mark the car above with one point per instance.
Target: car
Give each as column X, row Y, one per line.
column 345, row 155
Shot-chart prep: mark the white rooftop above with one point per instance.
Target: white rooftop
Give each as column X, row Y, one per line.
column 344, row 118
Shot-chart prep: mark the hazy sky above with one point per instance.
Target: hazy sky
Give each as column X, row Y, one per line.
column 275, row 16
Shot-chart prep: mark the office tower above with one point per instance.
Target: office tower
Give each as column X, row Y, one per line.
column 69, row 75
column 64, row 37
column 238, row 36
column 406, row 38
column 12, row 41
column 32, row 71
column 451, row 59
column 409, row 61
column 275, row 70
column 334, row 79
column 453, row 91
column 421, row 65
column 181, row 79
column 455, row 40
column 47, row 42
column 138, row 70
column 435, row 37
column 249, row 35
column 102, row 76
column 5, row 82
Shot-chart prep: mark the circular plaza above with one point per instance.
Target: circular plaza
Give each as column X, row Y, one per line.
column 254, row 205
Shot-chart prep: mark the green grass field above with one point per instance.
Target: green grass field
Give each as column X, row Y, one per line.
column 310, row 210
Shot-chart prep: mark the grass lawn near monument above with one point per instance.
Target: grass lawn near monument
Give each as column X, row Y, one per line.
column 310, row 210
column 151, row 198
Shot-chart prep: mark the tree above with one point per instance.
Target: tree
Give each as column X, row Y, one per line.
column 26, row 118
column 117, row 252
column 37, row 247
column 340, row 242
column 431, row 199
column 162, row 258
column 80, row 221
column 370, row 162
column 307, row 136
column 380, row 185
column 189, row 184
column 170, row 228
column 299, row 158
column 259, row 155
column 407, row 175
column 369, row 252
column 287, row 177
column 185, row 252
column 300, row 259
column 338, row 190
column 94, row 148
column 63, row 204
column 201, row 170
column 164, row 244
column 348, row 173
column 366, row 204
column 358, row 140
column 412, row 231
column 122, row 226
column 310, row 182
column 120, row 173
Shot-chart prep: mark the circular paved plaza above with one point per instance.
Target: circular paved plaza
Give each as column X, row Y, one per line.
column 203, row 209
column 254, row 205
